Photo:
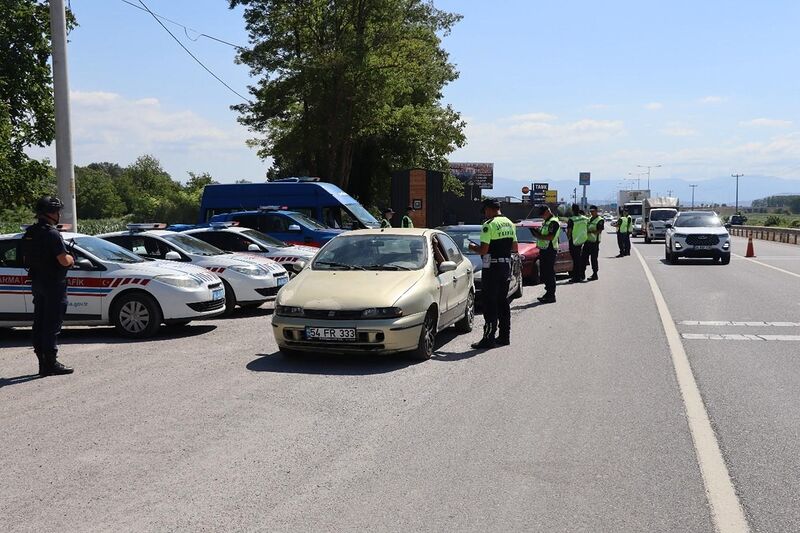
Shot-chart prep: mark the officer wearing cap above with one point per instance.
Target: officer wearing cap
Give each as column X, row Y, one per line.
column 498, row 242
column 388, row 214
column 547, row 242
column 45, row 255
column 407, row 222
column 624, row 225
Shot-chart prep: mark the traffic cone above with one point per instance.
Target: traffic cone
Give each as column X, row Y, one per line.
column 750, row 252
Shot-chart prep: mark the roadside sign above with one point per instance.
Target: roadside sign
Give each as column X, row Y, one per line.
column 584, row 178
column 539, row 192
column 479, row 175
column 551, row 196
column 526, row 190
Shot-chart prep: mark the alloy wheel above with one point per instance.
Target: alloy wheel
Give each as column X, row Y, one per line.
column 134, row 316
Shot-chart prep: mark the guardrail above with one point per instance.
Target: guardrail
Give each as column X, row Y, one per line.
column 767, row 233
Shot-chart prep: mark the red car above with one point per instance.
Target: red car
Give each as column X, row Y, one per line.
column 529, row 252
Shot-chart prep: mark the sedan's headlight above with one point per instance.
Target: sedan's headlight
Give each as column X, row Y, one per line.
column 382, row 312
column 726, row 244
column 250, row 270
column 679, row 235
column 176, row 280
column 289, row 310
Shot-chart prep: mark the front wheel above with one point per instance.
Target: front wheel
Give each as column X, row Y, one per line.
column 230, row 298
column 427, row 338
column 136, row 316
column 465, row 324
column 533, row 279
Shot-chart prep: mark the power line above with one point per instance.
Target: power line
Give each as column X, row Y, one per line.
column 186, row 29
column 231, row 89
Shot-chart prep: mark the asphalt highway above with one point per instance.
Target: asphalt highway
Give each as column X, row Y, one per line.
column 580, row 425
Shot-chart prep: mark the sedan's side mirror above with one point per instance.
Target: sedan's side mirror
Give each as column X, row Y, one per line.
column 172, row 255
column 294, row 227
column 81, row 263
column 667, row 225
column 728, row 225
column 447, row 266
column 253, row 247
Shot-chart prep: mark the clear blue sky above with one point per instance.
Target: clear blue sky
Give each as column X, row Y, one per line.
column 548, row 88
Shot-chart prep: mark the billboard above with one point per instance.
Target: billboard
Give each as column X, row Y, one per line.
column 539, row 192
column 480, row 175
column 584, row 178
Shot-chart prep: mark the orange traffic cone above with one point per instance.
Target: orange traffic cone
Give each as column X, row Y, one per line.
column 750, row 252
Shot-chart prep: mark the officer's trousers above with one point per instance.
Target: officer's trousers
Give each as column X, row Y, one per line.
column 590, row 252
column 496, row 307
column 624, row 242
column 547, row 271
column 49, row 307
column 578, row 264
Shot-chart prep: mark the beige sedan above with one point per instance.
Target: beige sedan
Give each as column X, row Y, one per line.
column 377, row 291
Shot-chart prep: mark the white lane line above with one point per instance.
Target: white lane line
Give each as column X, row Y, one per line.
column 795, row 274
column 737, row 337
column 755, row 324
column 726, row 510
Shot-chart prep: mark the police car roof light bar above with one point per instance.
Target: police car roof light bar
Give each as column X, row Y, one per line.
column 273, row 208
column 145, row 226
column 59, row 227
column 228, row 224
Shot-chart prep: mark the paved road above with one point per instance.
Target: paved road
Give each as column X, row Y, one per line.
column 578, row 426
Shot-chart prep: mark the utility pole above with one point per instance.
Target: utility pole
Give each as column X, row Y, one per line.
column 648, row 167
column 693, row 188
column 737, row 176
column 669, row 193
column 65, row 172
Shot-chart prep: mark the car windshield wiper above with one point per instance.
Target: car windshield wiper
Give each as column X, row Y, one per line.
column 339, row 265
column 386, row 267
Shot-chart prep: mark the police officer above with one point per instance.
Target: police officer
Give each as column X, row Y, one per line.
column 577, row 233
column 624, row 226
column 591, row 249
column 388, row 214
column 407, row 222
column 47, row 260
column 547, row 242
column 498, row 242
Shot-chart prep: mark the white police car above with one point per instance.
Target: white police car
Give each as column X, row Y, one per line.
column 111, row 286
column 249, row 280
column 232, row 238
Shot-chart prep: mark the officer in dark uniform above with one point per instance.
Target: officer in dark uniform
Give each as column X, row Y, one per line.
column 547, row 242
column 498, row 242
column 386, row 221
column 45, row 255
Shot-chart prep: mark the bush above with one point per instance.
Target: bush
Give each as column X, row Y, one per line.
column 103, row 225
column 795, row 223
column 773, row 220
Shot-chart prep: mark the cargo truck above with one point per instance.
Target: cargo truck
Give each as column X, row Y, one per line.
column 655, row 213
column 632, row 201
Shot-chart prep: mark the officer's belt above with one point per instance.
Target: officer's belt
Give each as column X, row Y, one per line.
column 500, row 260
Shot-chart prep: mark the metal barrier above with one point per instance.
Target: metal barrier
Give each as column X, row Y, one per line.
column 767, row 233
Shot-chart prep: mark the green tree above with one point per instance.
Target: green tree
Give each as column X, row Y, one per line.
column 26, row 98
column 146, row 188
column 349, row 90
column 96, row 195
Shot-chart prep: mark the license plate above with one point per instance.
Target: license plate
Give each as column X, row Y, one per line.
column 282, row 281
column 217, row 294
column 331, row 334
column 702, row 247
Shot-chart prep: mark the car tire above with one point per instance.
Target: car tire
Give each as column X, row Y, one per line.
column 136, row 315
column 648, row 240
column 230, row 298
column 725, row 259
column 427, row 338
column 465, row 324
column 518, row 293
column 667, row 255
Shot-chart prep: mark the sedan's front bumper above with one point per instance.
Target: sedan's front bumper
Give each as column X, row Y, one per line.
column 372, row 336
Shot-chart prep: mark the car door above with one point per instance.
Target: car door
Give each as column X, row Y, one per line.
column 563, row 257
column 444, row 281
column 462, row 283
column 14, row 284
column 87, row 290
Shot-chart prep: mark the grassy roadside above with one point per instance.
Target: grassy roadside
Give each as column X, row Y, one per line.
column 772, row 219
column 12, row 219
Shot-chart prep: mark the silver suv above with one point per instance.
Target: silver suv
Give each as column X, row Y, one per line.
column 697, row 234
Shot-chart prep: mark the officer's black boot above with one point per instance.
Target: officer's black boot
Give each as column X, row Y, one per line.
column 54, row 367
column 487, row 342
column 42, row 365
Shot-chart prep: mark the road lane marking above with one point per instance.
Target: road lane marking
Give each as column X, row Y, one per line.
column 768, row 266
column 726, row 510
column 738, row 337
column 753, row 324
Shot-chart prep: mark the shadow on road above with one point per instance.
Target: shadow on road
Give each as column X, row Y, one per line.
column 21, row 338
column 246, row 313
column 5, row 382
column 328, row 364
column 690, row 262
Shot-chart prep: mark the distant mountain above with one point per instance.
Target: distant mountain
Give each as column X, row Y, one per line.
column 716, row 190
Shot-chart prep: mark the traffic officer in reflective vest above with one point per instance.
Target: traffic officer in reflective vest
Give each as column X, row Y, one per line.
column 547, row 242
column 47, row 260
column 407, row 222
column 577, row 232
column 498, row 242
column 624, row 226
column 388, row 214
column 591, row 249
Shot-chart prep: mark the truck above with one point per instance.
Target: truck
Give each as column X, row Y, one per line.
column 632, row 201
column 656, row 212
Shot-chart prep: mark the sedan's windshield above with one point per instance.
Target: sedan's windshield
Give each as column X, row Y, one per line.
column 106, row 251
column 373, row 252
column 525, row 235
column 192, row 245
column 698, row 221
column 463, row 238
column 662, row 215
column 264, row 240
